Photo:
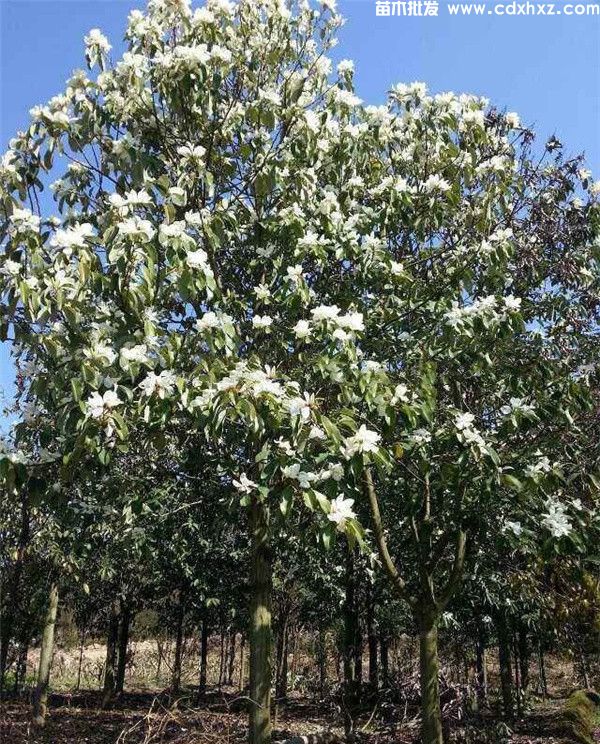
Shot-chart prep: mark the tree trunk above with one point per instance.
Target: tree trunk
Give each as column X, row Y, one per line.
column 350, row 685
column 21, row 668
column 123, row 642
column 159, row 650
column 431, row 714
column 242, row 661
column 260, row 625
column 12, row 593
column 231, row 670
column 282, row 659
column 542, row 663
column 524, row 657
column 80, row 664
column 385, row 661
column 176, row 676
column 222, row 657
column 505, row 666
column 108, row 687
column 40, row 695
column 322, row 661
column 372, row 642
column 481, row 669
column 203, row 657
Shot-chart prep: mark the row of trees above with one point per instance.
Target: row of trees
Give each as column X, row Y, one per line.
column 268, row 310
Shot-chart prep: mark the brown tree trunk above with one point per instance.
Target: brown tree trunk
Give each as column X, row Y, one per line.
column 231, row 670
column 260, row 625
column 372, row 642
column 505, row 665
column 176, row 676
column 322, row 661
column 350, row 685
column 203, row 657
column 80, row 664
column 122, row 644
column 12, row 592
column 431, row 714
column 242, row 661
column 385, row 661
column 108, row 687
column 481, row 669
column 40, row 695
column 524, row 657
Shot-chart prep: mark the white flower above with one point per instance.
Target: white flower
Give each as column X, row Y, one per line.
column 302, row 329
column 325, row 312
column 162, row 384
column 351, row 321
column 208, row 320
column 244, row 484
column 400, row 394
column 555, row 520
column 364, row 440
column 11, row 268
column 97, row 405
column 294, row 273
column 262, row 322
column 420, row 436
column 95, row 38
column 512, row 119
column 300, row 407
column 464, row 421
column 72, row 237
column 137, row 353
column 262, row 292
column 135, row 227
column 346, row 98
column 512, row 303
column 316, row 433
column 197, row 259
column 345, row 66
column 191, row 152
column 341, row 512
column 396, row 268
column 24, row 219
column 436, row 183
column 515, row 527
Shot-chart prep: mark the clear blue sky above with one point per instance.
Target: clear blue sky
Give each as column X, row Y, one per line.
column 545, row 68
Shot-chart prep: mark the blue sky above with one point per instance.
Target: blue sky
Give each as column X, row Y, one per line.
column 545, row 68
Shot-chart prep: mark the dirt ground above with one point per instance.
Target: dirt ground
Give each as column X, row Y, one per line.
column 147, row 714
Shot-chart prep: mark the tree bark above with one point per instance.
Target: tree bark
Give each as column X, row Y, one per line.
column 12, row 593
column 108, row 687
column 203, row 657
column 350, row 632
column 524, row 657
column 21, row 668
column 242, row 661
column 385, row 661
column 176, row 676
column 231, row 670
column 322, row 661
column 505, row 666
column 122, row 644
column 260, row 625
column 372, row 642
column 282, row 659
column 481, row 669
column 431, row 714
column 80, row 664
column 40, row 695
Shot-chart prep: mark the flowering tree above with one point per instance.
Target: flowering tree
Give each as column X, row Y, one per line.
column 180, row 273
column 244, row 251
column 479, row 293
